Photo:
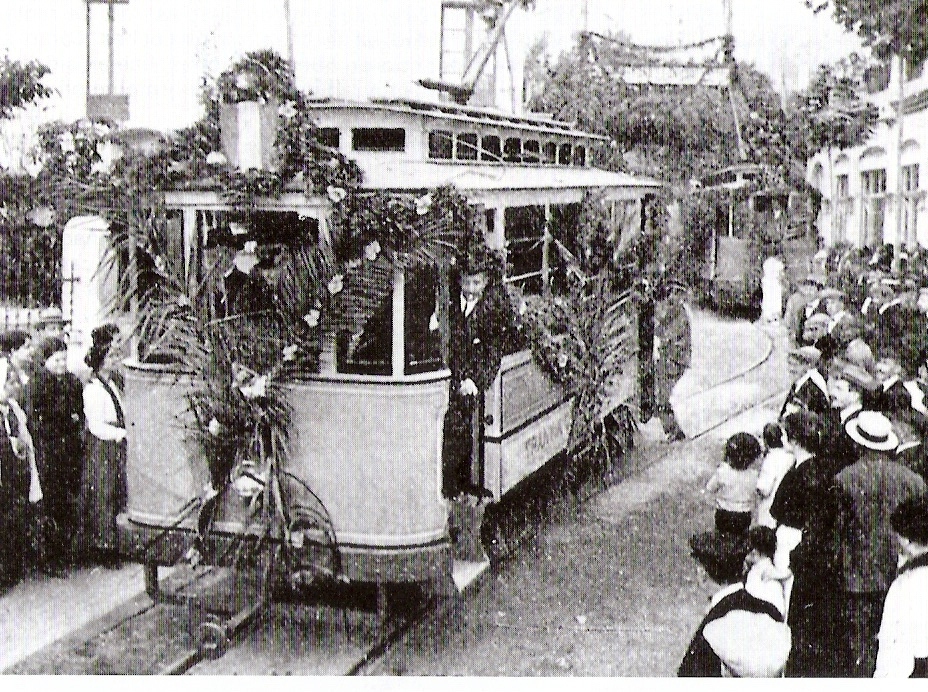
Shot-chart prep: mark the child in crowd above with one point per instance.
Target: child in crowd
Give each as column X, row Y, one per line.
column 734, row 484
column 777, row 461
column 765, row 579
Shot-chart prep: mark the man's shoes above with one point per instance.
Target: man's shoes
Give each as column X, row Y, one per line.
column 477, row 491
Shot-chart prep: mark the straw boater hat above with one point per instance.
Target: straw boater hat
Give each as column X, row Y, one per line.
column 859, row 378
column 817, row 318
column 751, row 645
column 815, row 280
column 806, row 354
column 873, row 431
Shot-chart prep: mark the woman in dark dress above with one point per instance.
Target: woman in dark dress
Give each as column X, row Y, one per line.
column 56, row 414
column 805, row 508
column 18, row 484
column 103, row 491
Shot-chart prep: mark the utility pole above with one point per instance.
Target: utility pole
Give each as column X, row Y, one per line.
column 900, row 116
column 289, row 20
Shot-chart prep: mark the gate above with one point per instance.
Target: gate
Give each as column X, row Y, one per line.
column 30, row 273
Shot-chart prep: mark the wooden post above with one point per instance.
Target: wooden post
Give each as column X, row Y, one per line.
column 399, row 323
column 545, row 249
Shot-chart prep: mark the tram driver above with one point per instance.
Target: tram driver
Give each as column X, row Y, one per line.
column 480, row 327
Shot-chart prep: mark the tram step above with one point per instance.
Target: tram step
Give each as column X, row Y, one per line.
column 465, row 572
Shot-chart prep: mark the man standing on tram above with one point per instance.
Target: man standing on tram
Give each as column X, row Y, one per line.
column 480, row 325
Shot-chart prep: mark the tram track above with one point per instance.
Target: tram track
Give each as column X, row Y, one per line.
column 229, row 633
column 372, row 664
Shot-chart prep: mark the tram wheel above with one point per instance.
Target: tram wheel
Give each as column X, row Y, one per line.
column 214, row 638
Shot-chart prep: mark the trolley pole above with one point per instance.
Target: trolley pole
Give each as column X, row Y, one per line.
column 900, row 116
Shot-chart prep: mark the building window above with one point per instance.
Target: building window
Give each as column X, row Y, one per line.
column 910, row 178
column 579, row 156
column 873, row 207
column 441, row 144
column 379, row 139
column 330, row 137
column 563, row 155
column 910, row 204
column 531, row 151
column 873, row 182
column 842, row 186
column 512, row 150
column 913, row 72
column 549, row 153
column 466, row 147
column 491, row 149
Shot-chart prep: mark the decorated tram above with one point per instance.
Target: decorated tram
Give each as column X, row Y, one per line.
column 310, row 429
column 752, row 223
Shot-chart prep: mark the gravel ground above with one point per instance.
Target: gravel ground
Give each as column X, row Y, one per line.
column 605, row 589
column 610, row 589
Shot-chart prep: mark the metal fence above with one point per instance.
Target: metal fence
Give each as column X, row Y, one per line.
column 30, row 273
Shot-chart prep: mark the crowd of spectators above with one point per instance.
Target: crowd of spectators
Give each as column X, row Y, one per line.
column 821, row 532
column 62, row 463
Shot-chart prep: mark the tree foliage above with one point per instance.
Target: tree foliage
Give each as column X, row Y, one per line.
column 672, row 132
column 830, row 113
column 889, row 27
column 21, row 84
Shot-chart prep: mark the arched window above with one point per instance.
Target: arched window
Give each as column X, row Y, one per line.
column 512, row 150
column 466, row 146
column 491, row 149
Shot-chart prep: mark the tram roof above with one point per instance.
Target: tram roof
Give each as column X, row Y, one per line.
column 484, row 182
column 418, row 175
column 455, row 112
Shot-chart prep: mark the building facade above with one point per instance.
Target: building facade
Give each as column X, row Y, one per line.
column 859, row 185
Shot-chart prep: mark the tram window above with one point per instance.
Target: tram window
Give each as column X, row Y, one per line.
column 549, row 153
column 563, row 155
column 370, row 351
column 565, row 221
column 423, row 344
column 491, row 149
column 579, row 156
column 330, row 137
column 531, row 151
column 466, row 146
column 378, row 139
column 525, row 228
column 512, row 150
column 441, row 144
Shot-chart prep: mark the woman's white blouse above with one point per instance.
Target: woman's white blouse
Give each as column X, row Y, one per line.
column 904, row 628
column 100, row 412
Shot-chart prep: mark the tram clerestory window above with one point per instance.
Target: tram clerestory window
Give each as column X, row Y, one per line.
column 549, row 153
column 491, row 149
column 466, row 148
column 512, row 150
column 579, row 156
column 531, row 151
column 441, row 144
column 378, row 139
